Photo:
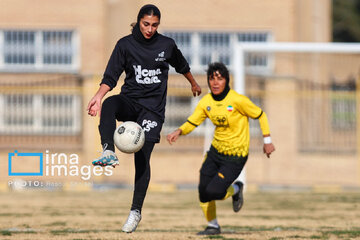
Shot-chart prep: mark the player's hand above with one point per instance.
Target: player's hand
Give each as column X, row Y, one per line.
column 94, row 106
column 172, row 137
column 268, row 149
column 196, row 89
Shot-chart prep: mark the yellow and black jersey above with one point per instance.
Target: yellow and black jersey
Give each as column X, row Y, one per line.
column 231, row 119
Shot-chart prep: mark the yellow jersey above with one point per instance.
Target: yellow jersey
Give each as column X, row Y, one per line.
column 231, row 119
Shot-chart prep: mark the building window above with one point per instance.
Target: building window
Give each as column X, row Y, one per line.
column 215, row 46
column 202, row 48
column 40, row 114
column 18, row 114
column 40, row 50
column 57, row 47
column 183, row 41
column 19, row 47
column 255, row 61
column 343, row 106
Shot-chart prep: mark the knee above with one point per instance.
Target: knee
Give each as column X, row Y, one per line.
column 209, row 192
column 107, row 103
column 109, row 108
column 215, row 193
column 203, row 196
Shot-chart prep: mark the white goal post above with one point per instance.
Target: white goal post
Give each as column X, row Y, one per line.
column 241, row 48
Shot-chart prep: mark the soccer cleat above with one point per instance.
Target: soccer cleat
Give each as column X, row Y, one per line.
column 210, row 231
column 238, row 198
column 107, row 158
column 132, row 221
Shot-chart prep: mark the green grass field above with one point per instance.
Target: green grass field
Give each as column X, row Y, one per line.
column 177, row 215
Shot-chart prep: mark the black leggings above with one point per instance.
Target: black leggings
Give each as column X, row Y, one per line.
column 216, row 175
column 142, row 175
column 114, row 108
column 120, row 108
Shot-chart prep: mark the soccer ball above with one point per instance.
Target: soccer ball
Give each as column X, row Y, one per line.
column 129, row 137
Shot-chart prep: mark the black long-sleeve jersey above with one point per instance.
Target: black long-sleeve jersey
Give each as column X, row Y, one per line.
column 146, row 65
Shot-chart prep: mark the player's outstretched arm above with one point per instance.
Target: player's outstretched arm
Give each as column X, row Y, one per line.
column 268, row 145
column 195, row 88
column 172, row 137
column 94, row 104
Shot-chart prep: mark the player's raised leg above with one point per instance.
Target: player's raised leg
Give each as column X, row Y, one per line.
column 114, row 108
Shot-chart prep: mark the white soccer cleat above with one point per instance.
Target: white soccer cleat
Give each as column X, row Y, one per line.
column 107, row 158
column 132, row 221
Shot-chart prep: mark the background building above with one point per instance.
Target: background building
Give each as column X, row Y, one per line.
column 53, row 53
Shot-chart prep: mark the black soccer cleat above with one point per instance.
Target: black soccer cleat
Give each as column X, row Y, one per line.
column 238, row 199
column 210, row 231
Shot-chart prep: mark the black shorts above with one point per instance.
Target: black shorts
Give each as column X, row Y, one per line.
column 226, row 167
column 148, row 120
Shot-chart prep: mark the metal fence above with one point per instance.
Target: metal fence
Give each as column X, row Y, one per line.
column 48, row 106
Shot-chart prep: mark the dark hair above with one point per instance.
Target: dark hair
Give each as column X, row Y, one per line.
column 218, row 66
column 148, row 9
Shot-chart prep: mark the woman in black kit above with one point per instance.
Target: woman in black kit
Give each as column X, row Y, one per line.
column 145, row 56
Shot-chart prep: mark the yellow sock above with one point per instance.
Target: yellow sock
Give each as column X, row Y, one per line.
column 229, row 192
column 209, row 209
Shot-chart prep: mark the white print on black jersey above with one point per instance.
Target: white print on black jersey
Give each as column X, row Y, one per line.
column 147, row 125
column 161, row 57
column 146, row 76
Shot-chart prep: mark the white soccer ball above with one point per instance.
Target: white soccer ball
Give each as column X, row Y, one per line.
column 129, row 137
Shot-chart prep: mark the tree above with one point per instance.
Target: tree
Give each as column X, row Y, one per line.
column 346, row 20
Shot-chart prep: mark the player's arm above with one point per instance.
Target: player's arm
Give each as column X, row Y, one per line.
column 181, row 66
column 264, row 125
column 94, row 104
column 195, row 88
column 248, row 108
column 172, row 137
column 184, row 129
column 192, row 122
column 114, row 68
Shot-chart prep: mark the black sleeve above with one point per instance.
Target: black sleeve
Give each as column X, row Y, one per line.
column 178, row 61
column 114, row 67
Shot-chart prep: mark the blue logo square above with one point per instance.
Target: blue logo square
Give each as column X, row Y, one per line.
column 16, row 153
